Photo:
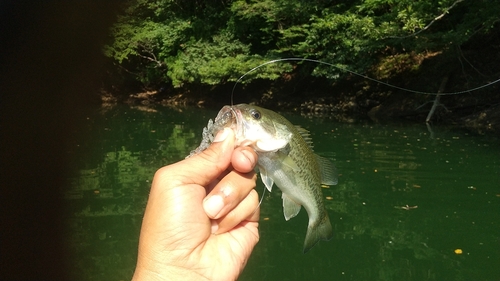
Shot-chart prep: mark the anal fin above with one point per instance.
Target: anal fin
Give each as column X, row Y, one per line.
column 290, row 208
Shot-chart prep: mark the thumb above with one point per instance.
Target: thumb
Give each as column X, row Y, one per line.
column 210, row 163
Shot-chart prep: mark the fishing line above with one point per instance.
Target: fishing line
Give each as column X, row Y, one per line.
column 358, row 74
column 260, row 201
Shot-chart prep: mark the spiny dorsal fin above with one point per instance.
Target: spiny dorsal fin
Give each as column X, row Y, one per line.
column 306, row 136
column 328, row 171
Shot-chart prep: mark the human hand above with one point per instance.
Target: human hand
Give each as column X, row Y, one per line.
column 189, row 235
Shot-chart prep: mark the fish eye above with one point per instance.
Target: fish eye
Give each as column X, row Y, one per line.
column 255, row 114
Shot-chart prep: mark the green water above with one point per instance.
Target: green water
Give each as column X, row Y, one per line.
column 406, row 199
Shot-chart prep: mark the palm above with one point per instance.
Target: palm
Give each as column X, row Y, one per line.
column 218, row 257
column 227, row 253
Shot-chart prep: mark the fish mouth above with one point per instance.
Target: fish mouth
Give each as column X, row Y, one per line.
column 229, row 116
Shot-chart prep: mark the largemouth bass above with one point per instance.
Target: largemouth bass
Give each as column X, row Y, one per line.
column 286, row 159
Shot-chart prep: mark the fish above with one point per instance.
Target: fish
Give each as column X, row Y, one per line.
column 286, row 158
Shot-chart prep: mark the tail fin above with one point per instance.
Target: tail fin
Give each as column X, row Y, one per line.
column 320, row 231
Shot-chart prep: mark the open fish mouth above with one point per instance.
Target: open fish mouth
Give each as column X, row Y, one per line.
column 230, row 117
column 227, row 117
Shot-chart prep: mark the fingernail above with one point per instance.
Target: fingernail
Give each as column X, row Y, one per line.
column 221, row 135
column 213, row 205
column 249, row 156
column 214, row 226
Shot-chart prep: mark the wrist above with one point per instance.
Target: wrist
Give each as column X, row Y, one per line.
column 166, row 273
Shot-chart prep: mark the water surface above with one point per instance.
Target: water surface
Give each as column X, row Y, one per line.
column 410, row 205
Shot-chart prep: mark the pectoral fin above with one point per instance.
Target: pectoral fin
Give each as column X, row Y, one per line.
column 268, row 181
column 328, row 171
column 288, row 161
column 290, row 208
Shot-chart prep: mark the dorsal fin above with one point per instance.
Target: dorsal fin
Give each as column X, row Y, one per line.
column 306, row 136
column 328, row 171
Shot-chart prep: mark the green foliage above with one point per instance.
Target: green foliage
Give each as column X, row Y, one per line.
column 213, row 42
column 216, row 61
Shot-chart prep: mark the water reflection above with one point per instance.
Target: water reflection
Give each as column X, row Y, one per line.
column 404, row 203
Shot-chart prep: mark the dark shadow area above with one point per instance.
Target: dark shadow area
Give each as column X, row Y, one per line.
column 50, row 61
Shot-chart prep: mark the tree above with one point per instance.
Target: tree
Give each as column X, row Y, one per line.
column 213, row 42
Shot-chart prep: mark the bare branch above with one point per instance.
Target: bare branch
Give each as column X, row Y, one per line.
column 152, row 57
column 429, row 25
column 436, row 102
